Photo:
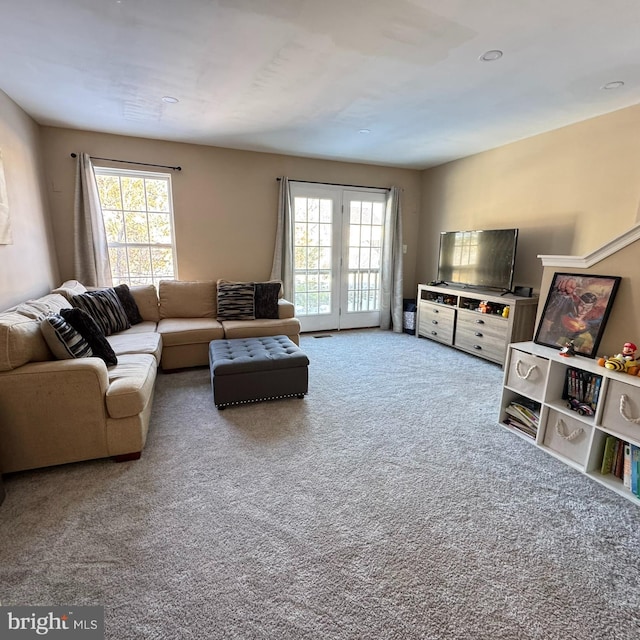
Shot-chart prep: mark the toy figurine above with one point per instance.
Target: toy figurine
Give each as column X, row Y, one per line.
column 629, row 351
column 624, row 361
column 568, row 350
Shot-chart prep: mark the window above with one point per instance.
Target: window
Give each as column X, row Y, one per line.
column 137, row 208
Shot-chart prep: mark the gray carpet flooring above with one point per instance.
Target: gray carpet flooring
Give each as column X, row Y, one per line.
column 386, row 504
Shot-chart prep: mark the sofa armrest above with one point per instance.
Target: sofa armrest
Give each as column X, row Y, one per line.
column 54, row 372
column 52, row 413
column 286, row 309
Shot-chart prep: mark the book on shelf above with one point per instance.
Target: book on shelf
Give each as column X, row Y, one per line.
column 618, row 465
column 523, row 414
column 635, row 470
column 525, row 410
column 520, row 426
column 626, row 466
column 622, row 459
column 607, row 456
column 582, row 386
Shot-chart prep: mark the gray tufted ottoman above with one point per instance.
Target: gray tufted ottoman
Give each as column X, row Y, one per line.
column 250, row 369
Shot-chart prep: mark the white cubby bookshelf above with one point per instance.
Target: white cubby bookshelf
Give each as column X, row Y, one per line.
column 537, row 374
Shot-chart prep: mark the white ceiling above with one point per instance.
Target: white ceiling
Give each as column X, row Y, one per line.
column 303, row 77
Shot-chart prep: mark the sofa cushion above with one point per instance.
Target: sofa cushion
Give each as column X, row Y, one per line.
column 41, row 307
column 286, row 309
column 146, row 297
column 187, row 299
column 182, row 331
column 130, row 384
column 70, row 288
column 21, row 340
column 128, row 303
column 89, row 329
column 236, row 300
column 143, row 327
column 136, row 342
column 63, row 340
column 105, row 308
column 266, row 299
column 259, row 328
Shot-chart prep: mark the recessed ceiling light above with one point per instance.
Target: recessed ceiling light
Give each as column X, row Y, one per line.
column 364, row 131
column 490, row 56
column 616, row 84
column 170, row 99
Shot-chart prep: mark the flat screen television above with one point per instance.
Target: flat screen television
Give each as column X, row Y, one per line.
column 483, row 258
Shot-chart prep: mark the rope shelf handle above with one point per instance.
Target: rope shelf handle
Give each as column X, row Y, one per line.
column 530, row 370
column 624, row 410
column 562, row 431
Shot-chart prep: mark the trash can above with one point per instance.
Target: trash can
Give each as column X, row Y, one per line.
column 409, row 315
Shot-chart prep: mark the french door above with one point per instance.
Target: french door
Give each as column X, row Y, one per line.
column 338, row 236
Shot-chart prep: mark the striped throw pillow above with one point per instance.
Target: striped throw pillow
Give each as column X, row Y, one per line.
column 105, row 308
column 236, row 301
column 63, row 340
column 88, row 328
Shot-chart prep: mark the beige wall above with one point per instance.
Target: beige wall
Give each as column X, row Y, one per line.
column 225, row 201
column 27, row 267
column 569, row 191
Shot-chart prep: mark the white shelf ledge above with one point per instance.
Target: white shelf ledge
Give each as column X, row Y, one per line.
column 586, row 261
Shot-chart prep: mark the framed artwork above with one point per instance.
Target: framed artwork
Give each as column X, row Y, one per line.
column 576, row 311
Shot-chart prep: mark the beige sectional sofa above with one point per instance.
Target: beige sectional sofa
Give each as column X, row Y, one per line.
column 55, row 411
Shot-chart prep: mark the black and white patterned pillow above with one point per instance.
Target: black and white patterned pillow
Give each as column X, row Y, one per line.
column 236, row 301
column 105, row 308
column 64, row 341
column 89, row 329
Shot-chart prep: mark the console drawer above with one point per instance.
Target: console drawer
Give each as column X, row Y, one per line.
column 436, row 322
column 489, row 346
column 482, row 323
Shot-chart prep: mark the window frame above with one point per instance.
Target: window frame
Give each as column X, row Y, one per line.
column 144, row 175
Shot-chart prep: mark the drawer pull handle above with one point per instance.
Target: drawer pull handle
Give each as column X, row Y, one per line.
column 530, row 370
column 624, row 410
column 436, row 310
column 477, row 347
column 478, row 334
column 479, row 321
column 561, row 430
column 434, row 333
column 434, row 322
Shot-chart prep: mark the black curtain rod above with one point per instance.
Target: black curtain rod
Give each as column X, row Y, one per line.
column 336, row 184
column 144, row 164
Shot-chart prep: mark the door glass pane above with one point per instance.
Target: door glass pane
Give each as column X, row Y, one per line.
column 365, row 239
column 313, row 255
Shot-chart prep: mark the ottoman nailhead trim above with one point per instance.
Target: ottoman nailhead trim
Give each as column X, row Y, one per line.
column 279, row 397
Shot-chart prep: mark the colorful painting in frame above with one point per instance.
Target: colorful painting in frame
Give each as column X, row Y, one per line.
column 576, row 311
column 5, row 222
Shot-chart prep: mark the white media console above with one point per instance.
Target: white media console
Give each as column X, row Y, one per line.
column 474, row 320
